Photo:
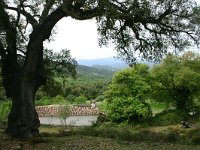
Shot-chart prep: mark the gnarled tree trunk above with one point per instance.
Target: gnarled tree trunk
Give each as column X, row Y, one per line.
column 23, row 120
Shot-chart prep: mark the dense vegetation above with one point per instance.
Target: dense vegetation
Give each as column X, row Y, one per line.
column 89, row 84
column 175, row 81
column 131, row 95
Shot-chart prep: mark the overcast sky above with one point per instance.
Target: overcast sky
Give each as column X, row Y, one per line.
column 81, row 38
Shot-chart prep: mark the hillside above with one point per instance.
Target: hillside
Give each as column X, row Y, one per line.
column 93, row 74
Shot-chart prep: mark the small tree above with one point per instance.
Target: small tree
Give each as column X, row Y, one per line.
column 127, row 93
column 64, row 112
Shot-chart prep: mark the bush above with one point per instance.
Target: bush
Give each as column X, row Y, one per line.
column 99, row 98
column 51, row 100
column 80, row 100
column 5, row 107
column 169, row 117
column 71, row 98
column 102, row 106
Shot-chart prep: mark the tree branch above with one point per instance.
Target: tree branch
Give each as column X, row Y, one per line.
column 81, row 14
column 47, row 6
column 28, row 16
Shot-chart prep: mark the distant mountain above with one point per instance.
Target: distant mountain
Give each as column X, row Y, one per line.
column 105, row 62
column 109, row 63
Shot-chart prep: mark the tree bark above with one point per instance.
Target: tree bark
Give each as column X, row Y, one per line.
column 23, row 121
column 182, row 99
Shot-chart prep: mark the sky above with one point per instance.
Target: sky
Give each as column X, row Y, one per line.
column 81, row 38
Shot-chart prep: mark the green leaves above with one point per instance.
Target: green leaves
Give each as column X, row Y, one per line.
column 187, row 78
column 149, row 28
column 127, row 93
column 128, row 109
column 178, row 79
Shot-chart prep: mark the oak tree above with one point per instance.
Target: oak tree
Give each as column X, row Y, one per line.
column 143, row 27
column 177, row 80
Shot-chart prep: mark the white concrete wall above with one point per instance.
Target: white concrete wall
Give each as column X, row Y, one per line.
column 71, row 120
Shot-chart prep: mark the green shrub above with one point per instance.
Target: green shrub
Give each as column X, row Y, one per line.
column 5, row 107
column 169, row 117
column 80, row 100
column 103, row 106
column 71, row 98
column 51, row 100
column 99, row 98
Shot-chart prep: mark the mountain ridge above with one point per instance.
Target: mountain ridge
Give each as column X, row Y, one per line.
column 109, row 62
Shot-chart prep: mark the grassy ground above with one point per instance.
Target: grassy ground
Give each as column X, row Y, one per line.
column 101, row 138
column 75, row 142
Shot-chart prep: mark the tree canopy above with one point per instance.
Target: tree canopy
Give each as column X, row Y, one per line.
column 137, row 27
column 126, row 95
column 148, row 28
column 177, row 80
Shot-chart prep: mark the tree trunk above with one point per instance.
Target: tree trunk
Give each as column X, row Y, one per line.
column 182, row 99
column 23, row 120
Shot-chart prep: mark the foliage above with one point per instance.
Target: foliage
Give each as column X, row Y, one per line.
column 99, row 98
column 5, row 107
column 80, row 100
column 129, row 82
column 127, row 93
column 177, row 80
column 2, row 91
column 64, row 112
column 157, row 107
column 142, row 33
column 89, row 82
column 103, row 106
column 128, row 109
column 50, row 101
column 169, row 117
column 57, row 64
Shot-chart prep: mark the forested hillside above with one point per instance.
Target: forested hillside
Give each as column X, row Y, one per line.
column 94, row 74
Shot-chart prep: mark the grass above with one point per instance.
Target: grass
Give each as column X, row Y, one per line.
column 171, row 137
